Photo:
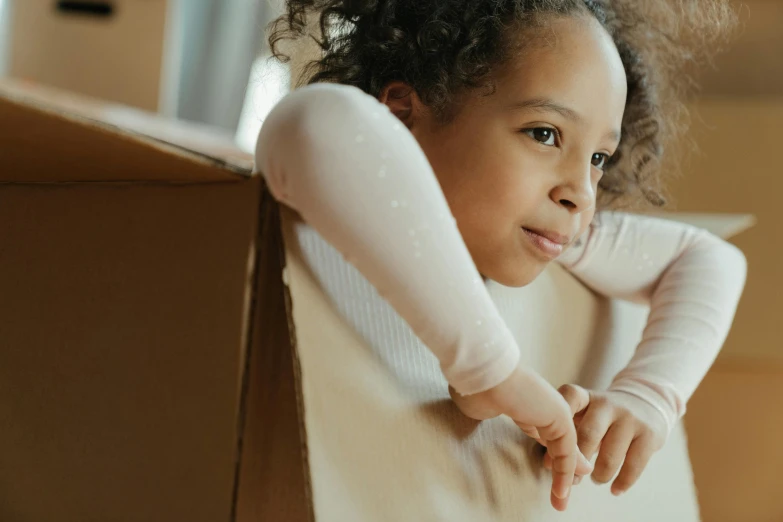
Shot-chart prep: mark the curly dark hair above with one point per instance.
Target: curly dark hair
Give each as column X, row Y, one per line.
column 443, row 48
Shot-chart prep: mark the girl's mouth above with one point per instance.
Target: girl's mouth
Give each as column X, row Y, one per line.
column 551, row 244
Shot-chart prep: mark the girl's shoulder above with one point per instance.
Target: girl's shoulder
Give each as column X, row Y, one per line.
column 320, row 112
column 328, row 89
column 325, row 99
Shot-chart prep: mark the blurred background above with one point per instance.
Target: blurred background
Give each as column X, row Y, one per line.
column 206, row 62
column 203, row 61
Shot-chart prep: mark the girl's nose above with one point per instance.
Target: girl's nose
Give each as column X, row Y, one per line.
column 575, row 191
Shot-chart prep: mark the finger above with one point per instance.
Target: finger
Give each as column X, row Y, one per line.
column 561, row 446
column 559, row 504
column 583, row 466
column 636, row 460
column 614, row 447
column 593, row 428
column 530, row 431
column 563, row 467
column 577, row 479
column 577, row 397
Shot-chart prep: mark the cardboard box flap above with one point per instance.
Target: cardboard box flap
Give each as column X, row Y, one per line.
column 54, row 137
column 123, row 339
column 384, row 442
column 722, row 225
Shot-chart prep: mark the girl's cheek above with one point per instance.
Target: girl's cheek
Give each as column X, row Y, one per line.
column 585, row 224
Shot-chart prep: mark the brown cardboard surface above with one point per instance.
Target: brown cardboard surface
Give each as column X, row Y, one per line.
column 385, row 443
column 737, row 169
column 195, row 138
column 122, row 328
column 734, row 424
column 155, row 367
column 734, row 419
column 46, row 140
column 273, row 474
column 126, row 288
column 119, row 58
column 722, row 225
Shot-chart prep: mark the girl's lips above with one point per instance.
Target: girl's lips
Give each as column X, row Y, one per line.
column 549, row 243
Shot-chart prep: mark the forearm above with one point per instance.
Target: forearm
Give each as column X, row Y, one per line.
column 357, row 176
column 691, row 311
column 692, row 282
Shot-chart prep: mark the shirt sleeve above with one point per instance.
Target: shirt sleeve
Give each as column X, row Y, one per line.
column 355, row 174
column 692, row 281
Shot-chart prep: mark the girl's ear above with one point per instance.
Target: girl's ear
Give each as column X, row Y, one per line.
column 403, row 102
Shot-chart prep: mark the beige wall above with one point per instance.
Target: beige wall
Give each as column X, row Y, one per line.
column 753, row 62
column 735, row 419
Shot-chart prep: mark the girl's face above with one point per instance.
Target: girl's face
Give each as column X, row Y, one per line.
column 520, row 167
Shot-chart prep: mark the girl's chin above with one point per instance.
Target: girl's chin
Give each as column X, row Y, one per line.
column 517, row 274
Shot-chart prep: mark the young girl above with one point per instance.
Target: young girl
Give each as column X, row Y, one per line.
column 446, row 141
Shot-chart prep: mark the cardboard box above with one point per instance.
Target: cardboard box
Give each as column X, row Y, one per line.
column 113, row 50
column 737, row 167
column 379, row 428
column 734, row 424
column 128, row 268
column 735, row 418
column 175, row 346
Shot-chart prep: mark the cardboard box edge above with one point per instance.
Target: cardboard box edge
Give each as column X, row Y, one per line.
column 53, row 109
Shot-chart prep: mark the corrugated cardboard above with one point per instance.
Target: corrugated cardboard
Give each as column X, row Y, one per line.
column 173, row 346
column 117, row 57
column 126, row 278
column 383, row 441
column 735, row 418
column 734, row 424
column 737, row 168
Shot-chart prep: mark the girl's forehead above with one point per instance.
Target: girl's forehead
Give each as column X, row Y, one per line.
column 579, row 57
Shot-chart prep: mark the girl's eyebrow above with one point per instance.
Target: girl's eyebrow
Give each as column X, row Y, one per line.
column 547, row 105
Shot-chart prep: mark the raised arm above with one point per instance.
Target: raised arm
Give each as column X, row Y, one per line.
column 358, row 176
column 692, row 281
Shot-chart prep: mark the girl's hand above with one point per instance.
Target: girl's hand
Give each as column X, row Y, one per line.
column 624, row 429
column 543, row 414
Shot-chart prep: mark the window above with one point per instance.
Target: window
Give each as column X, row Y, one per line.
column 269, row 81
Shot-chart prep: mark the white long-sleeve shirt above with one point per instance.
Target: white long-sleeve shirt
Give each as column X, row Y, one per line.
column 341, row 159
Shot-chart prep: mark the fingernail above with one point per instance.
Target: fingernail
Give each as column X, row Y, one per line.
column 577, row 480
column 617, row 492
column 565, row 490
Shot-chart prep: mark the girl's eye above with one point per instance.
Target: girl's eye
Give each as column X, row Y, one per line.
column 600, row 160
column 543, row 135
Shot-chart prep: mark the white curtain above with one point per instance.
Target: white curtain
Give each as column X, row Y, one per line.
column 4, row 36
column 219, row 42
